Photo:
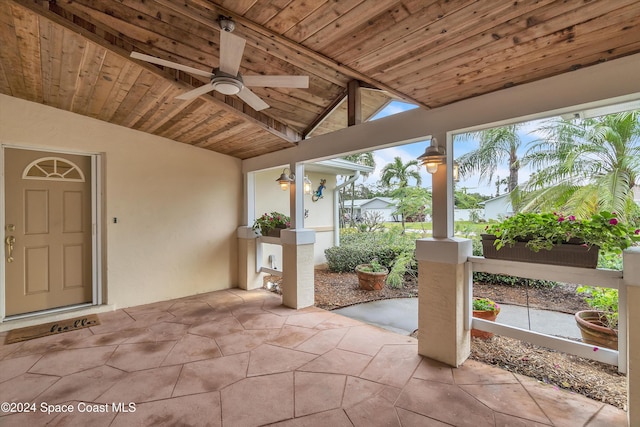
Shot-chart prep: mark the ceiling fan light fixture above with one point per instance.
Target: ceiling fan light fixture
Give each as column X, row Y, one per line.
column 227, row 86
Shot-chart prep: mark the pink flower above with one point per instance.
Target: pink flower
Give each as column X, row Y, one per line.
column 572, row 218
column 614, row 214
column 613, row 221
column 560, row 219
column 637, row 231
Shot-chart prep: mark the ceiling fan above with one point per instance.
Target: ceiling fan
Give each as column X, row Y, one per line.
column 226, row 79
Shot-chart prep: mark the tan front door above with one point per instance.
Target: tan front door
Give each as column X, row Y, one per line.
column 47, row 233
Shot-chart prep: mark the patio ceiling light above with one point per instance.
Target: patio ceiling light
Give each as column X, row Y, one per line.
column 432, row 157
column 285, row 179
column 307, row 186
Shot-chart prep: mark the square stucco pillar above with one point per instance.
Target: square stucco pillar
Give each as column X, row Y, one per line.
column 297, row 267
column 631, row 272
column 248, row 277
column 442, row 279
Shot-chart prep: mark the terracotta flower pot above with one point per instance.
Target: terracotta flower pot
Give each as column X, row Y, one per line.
column 490, row 315
column 594, row 332
column 371, row 281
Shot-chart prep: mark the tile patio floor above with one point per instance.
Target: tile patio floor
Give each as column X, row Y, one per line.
column 237, row 358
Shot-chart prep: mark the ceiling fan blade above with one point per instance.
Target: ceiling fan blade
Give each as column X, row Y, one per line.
column 252, row 99
column 208, row 87
column 185, row 68
column 277, row 81
column 231, row 50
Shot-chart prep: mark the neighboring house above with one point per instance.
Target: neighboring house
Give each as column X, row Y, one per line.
column 467, row 214
column 498, row 207
column 382, row 205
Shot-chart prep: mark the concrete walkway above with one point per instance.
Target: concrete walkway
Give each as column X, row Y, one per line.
column 400, row 315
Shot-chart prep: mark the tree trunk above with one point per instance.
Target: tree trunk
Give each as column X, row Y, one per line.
column 513, row 171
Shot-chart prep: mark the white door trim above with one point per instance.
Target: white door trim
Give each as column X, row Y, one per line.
column 96, row 226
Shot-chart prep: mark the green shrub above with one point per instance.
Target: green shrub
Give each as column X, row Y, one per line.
column 404, row 263
column 361, row 248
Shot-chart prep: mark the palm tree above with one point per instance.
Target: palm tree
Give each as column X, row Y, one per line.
column 497, row 146
column 587, row 165
column 401, row 172
column 398, row 174
column 366, row 159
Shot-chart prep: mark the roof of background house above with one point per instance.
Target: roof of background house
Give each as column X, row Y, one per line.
column 362, row 202
column 338, row 167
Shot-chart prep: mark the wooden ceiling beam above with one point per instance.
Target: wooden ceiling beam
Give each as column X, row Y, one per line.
column 230, row 104
column 354, row 103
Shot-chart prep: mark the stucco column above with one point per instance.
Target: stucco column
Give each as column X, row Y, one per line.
column 442, row 279
column 297, row 267
column 631, row 272
column 248, row 277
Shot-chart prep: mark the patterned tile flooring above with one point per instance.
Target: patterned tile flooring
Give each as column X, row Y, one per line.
column 237, row 358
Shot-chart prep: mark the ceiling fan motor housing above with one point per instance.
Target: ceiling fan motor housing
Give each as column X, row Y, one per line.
column 226, row 23
column 226, row 83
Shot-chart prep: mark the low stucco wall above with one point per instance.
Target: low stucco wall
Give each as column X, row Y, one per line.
column 178, row 207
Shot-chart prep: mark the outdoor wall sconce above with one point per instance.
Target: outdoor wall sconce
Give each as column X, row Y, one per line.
column 307, row 186
column 432, row 157
column 285, row 179
column 318, row 194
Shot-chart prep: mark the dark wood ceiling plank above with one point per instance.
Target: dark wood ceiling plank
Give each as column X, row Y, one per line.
column 140, row 89
column 476, row 20
column 148, row 104
column 490, row 85
column 177, row 121
column 244, row 6
column 73, row 47
column 289, row 16
column 218, row 136
column 28, row 28
column 474, row 51
column 370, row 38
column 298, row 55
column 344, row 25
column 320, row 18
column 260, row 12
column 92, row 62
column 127, row 77
column 10, row 53
column 138, row 29
column 199, row 122
column 259, row 119
column 565, row 40
column 4, row 81
column 151, row 110
column 168, row 109
column 105, row 83
column 51, row 53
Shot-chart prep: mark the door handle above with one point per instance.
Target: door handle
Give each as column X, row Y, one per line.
column 10, row 241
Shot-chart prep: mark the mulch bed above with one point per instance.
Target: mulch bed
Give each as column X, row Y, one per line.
column 592, row 379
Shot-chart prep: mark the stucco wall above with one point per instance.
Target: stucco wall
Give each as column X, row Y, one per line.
column 269, row 197
column 177, row 206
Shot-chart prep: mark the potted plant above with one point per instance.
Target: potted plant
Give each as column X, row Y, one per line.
column 600, row 325
column 523, row 237
column 486, row 309
column 372, row 276
column 271, row 224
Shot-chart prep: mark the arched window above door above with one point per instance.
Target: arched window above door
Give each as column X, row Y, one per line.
column 54, row 169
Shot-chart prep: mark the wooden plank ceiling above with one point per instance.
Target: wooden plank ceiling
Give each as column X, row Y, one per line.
column 74, row 55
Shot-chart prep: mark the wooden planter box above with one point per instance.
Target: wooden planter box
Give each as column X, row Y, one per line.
column 568, row 254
